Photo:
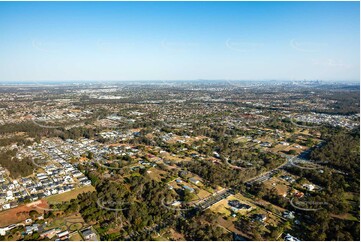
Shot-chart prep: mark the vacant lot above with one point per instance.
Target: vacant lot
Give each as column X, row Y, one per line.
column 155, row 174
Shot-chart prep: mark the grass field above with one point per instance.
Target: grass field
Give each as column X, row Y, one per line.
column 345, row 216
column 280, row 186
column 203, row 194
column 76, row 237
column 66, row 196
column 155, row 173
column 71, row 223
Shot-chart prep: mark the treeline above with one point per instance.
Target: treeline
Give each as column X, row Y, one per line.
column 16, row 167
column 32, row 129
column 77, row 132
column 255, row 230
column 347, row 102
column 35, row 131
column 321, row 225
column 342, row 151
column 136, row 209
column 129, row 207
column 15, row 140
column 203, row 227
column 219, row 174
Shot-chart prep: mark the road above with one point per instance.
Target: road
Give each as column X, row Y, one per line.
column 268, row 174
column 216, row 197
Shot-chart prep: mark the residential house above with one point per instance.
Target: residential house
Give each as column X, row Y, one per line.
column 88, row 234
column 194, row 181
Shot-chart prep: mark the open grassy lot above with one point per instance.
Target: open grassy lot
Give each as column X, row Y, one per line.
column 199, row 194
column 277, row 183
column 221, row 207
column 345, row 216
column 202, row 194
column 72, row 222
column 76, row 237
column 229, row 225
column 66, row 196
column 155, row 173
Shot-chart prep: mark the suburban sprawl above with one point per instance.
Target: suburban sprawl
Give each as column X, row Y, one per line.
column 180, row 160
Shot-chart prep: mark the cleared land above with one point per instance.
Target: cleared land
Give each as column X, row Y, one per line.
column 20, row 213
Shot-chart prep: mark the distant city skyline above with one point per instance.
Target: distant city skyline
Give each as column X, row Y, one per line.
column 120, row 41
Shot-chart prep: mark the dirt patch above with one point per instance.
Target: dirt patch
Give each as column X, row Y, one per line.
column 20, row 213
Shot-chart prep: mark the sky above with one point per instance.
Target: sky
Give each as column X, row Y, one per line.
column 55, row 41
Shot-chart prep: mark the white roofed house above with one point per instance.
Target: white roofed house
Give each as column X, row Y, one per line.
column 289, row 214
column 31, row 228
column 42, row 176
column 60, row 190
column 190, row 189
column 6, row 206
column 34, row 197
column 309, row 187
column 259, row 217
column 11, row 186
column 16, row 183
column 88, row 234
column 289, row 237
column 26, row 181
column 68, row 179
column 77, row 173
column 194, row 181
column 83, row 178
column 86, row 182
column 32, row 190
column 54, row 191
column 69, row 169
column 63, row 235
column 9, row 196
column 47, row 193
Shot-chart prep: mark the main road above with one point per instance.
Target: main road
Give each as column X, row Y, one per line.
column 267, row 175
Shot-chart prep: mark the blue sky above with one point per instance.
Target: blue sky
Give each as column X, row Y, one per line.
column 179, row 40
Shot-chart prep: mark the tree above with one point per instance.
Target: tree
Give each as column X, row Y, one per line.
column 33, row 214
